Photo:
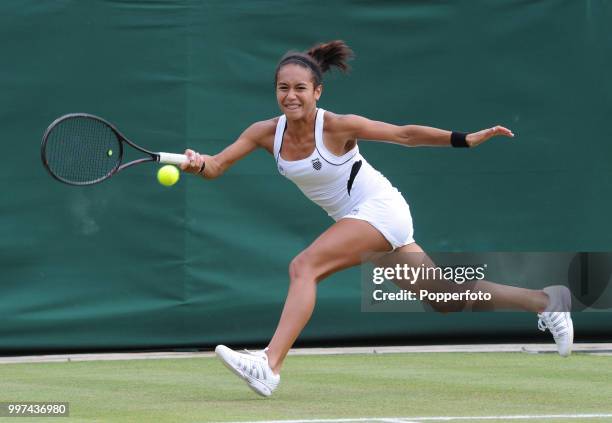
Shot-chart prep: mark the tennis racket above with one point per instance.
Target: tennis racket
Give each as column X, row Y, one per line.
column 83, row 149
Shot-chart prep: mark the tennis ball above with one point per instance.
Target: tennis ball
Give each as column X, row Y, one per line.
column 168, row 175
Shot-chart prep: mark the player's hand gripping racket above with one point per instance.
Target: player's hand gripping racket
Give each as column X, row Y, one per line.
column 82, row 149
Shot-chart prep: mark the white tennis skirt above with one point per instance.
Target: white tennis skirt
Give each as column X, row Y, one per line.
column 390, row 214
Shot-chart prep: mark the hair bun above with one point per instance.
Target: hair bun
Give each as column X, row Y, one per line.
column 332, row 54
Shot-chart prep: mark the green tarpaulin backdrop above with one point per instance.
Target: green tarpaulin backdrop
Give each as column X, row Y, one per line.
column 132, row 264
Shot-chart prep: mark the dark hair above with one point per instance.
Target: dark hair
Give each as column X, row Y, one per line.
column 319, row 59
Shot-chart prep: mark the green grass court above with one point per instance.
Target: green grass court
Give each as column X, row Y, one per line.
column 358, row 386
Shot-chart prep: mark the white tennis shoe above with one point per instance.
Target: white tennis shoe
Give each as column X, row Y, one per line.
column 556, row 318
column 252, row 367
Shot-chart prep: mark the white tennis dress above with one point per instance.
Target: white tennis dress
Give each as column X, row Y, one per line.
column 347, row 186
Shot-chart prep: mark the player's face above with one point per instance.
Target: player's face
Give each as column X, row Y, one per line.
column 295, row 91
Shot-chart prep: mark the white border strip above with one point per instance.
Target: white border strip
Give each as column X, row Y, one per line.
column 440, row 418
column 550, row 348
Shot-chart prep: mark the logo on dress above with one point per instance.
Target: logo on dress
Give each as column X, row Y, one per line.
column 317, row 164
column 281, row 170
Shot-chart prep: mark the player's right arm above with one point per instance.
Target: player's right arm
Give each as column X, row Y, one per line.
column 255, row 136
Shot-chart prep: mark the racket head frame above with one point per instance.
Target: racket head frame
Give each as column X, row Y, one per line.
column 153, row 157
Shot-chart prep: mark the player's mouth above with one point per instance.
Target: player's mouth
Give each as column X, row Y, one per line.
column 292, row 106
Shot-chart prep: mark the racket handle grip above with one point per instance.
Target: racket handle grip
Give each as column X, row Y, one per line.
column 171, row 158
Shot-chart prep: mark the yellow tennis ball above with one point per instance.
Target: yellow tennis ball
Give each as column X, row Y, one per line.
column 168, row 175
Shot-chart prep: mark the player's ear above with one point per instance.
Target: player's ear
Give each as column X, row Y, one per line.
column 318, row 91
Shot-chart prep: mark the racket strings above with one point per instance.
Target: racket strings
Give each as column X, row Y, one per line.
column 82, row 150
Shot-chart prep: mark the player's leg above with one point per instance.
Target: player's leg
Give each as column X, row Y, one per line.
column 343, row 245
column 502, row 296
column 552, row 304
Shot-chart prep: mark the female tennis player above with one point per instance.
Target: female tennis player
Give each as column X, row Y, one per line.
column 318, row 151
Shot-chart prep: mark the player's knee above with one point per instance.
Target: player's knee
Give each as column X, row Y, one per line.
column 447, row 306
column 301, row 267
column 298, row 267
column 441, row 302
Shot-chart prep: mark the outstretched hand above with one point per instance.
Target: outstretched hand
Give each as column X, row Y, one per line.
column 476, row 138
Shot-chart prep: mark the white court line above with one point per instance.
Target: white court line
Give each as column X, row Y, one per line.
column 438, row 418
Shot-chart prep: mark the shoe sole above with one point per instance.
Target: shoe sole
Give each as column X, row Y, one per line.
column 567, row 302
column 570, row 327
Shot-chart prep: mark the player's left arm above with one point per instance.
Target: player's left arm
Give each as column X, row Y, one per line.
column 359, row 127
